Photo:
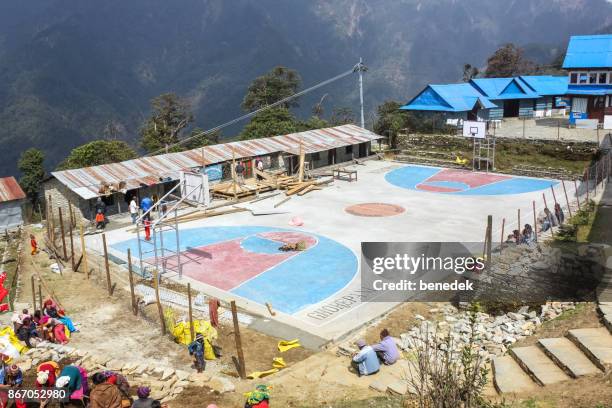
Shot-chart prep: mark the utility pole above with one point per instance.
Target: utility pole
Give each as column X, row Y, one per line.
column 361, row 69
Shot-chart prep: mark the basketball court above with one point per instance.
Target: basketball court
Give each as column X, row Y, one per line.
column 317, row 289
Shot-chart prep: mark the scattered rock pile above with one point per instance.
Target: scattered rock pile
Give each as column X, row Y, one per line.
column 166, row 383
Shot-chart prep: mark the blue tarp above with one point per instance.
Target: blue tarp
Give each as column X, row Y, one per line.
column 589, row 51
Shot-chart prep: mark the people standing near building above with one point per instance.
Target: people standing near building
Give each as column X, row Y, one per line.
column 147, row 228
column 100, row 221
column 133, row 210
column 145, row 205
column 240, row 173
column 260, row 167
column 100, row 206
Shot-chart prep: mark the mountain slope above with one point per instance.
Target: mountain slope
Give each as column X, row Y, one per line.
column 69, row 67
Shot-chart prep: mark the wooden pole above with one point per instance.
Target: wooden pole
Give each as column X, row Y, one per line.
column 553, row 193
column 544, row 197
column 160, row 309
column 242, row 367
column 40, row 298
column 577, row 195
column 71, row 211
column 552, row 231
column 70, row 231
column 588, row 185
column 569, row 208
column 301, row 167
column 502, row 235
column 33, row 294
column 84, row 252
column 61, row 220
column 519, row 218
column 535, row 222
column 234, row 174
column 50, row 220
column 106, row 266
column 131, row 277
column 191, row 328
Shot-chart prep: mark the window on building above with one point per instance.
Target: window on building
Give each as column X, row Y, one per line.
column 315, row 156
column 348, row 149
column 610, row 77
column 599, row 102
column 603, row 78
column 592, row 77
column 573, row 78
column 582, row 78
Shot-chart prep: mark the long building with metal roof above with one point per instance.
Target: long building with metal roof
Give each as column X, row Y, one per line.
column 322, row 147
column 12, row 198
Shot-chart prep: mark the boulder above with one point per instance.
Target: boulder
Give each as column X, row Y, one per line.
column 221, row 385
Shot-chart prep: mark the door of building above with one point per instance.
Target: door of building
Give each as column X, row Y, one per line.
column 331, row 157
column 511, row 108
column 595, row 107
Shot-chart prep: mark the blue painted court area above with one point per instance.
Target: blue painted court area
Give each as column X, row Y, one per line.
column 247, row 261
column 463, row 182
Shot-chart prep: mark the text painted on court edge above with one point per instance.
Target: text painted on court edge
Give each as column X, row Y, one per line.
column 460, row 272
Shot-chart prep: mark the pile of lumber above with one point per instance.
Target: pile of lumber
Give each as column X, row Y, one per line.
column 233, row 189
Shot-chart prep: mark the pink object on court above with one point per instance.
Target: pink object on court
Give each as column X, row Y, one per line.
column 296, row 222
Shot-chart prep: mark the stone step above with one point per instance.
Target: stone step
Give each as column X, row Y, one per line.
column 539, row 367
column 604, row 308
column 568, row 356
column 595, row 343
column 509, row 377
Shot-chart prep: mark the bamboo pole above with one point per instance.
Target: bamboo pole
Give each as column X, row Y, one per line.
column 50, row 220
column 63, row 232
column 191, row 328
column 588, row 185
column 241, row 364
column 301, row 167
column 519, row 218
column 489, row 239
column 106, row 266
column 40, row 298
column 71, row 211
column 502, row 235
column 569, row 208
column 84, row 252
column 553, row 194
column 552, row 231
column 131, row 278
column 160, row 309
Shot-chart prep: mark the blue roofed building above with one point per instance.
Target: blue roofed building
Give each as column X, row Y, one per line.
column 588, row 61
column 455, row 101
column 512, row 97
column 551, row 90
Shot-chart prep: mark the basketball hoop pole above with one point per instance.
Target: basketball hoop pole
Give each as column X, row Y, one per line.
column 473, row 153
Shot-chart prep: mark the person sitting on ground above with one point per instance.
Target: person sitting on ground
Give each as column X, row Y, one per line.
column 70, row 378
column 365, row 362
column 100, row 220
column 259, row 398
column 516, row 236
column 54, row 330
column 527, row 234
column 33, row 244
column 50, row 308
column 196, row 349
column 10, row 377
column 27, row 332
column 46, row 374
column 104, row 394
column 143, row 401
column 549, row 220
column 386, row 350
column 559, row 214
column 510, row 239
column 121, row 382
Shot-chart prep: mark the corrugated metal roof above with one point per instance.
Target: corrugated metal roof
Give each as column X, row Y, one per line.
column 503, row 88
column 134, row 173
column 589, row 51
column 546, row 85
column 10, row 190
column 448, row 98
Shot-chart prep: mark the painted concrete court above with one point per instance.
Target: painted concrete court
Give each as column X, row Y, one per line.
column 236, row 256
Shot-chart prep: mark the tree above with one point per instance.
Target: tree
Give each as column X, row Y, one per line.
column 508, row 61
column 96, row 153
column 170, row 116
column 469, row 72
column 277, row 84
column 30, row 165
column 271, row 122
column 342, row 116
column 200, row 140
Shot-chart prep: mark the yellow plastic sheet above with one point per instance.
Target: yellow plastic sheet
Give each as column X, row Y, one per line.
column 285, row 345
column 10, row 344
column 261, row 374
column 461, row 161
column 278, row 362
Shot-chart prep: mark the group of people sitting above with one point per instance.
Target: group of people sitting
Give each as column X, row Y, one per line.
column 50, row 325
column 368, row 359
column 549, row 219
column 526, row 236
column 108, row 389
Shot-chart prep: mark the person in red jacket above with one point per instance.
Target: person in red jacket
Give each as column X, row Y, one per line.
column 33, row 244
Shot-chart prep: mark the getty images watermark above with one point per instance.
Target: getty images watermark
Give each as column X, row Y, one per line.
column 420, row 271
